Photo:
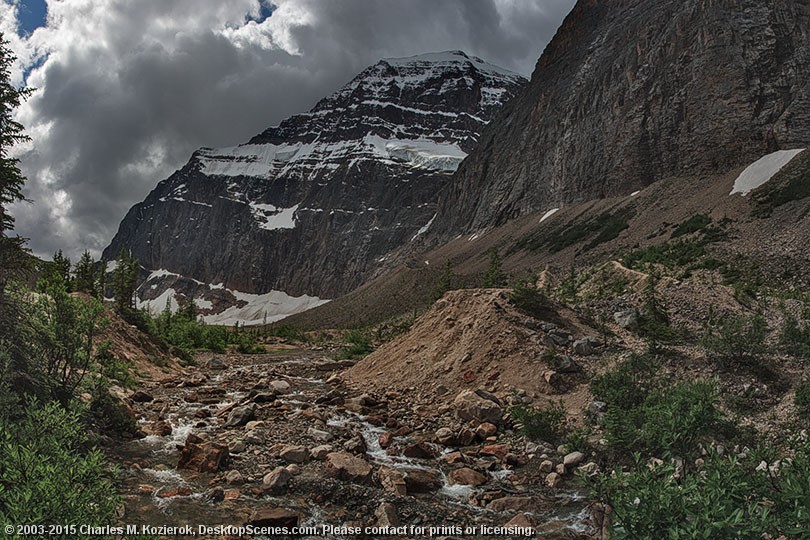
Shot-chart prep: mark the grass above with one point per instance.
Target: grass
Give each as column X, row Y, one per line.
column 602, row 228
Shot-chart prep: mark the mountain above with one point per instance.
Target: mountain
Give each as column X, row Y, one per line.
column 630, row 92
column 310, row 208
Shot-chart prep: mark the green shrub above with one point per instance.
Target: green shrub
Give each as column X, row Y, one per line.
column 546, row 425
column 732, row 498
column 627, row 386
column 358, row 345
column 113, row 368
column 696, row 223
column 530, row 300
column 736, row 339
column 802, row 400
column 108, row 413
column 794, row 337
column 46, row 475
column 289, row 333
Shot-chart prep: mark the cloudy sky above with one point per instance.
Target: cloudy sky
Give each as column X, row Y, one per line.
column 127, row 89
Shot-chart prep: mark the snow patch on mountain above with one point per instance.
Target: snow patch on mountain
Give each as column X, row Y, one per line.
column 271, row 218
column 762, row 170
column 259, row 308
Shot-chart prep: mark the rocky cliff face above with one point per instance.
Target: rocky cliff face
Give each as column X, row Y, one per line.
column 633, row 91
column 312, row 206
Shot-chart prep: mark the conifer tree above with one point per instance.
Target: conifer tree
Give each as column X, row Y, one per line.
column 15, row 260
column 124, row 280
column 84, row 272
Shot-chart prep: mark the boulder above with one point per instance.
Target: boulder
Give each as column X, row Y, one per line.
column 294, row 454
column 553, row 479
column 546, row 466
column 202, row 456
column 320, row 435
column 356, row 445
column 506, row 504
column 471, row 406
column 626, row 319
column 573, row 459
column 273, row 517
column 583, row 347
column 141, row 397
column 486, row 430
column 346, row 466
column 280, row 387
column 276, row 481
column 386, row 515
column 466, row 477
column 240, row 416
column 234, row 477
column 445, row 436
column 421, row 450
column 566, row 364
column 421, row 481
column 320, row 452
column 393, row 481
column 216, row 364
column 499, row 451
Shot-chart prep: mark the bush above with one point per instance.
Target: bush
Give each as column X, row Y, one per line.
column 112, row 368
column 627, row 386
column 802, row 400
column 530, row 300
column 731, row 498
column 290, row 333
column 46, row 476
column 358, row 345
column 736, row 339
column 546, row 425
column 794, row 338
column 644, row 415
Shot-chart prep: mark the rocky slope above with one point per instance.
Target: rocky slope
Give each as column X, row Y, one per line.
column 631, row 92
column 310, row 208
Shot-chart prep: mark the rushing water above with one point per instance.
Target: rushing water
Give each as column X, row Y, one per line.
column 157, row 494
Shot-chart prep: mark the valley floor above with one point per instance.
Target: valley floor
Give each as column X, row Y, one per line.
column 279, row 440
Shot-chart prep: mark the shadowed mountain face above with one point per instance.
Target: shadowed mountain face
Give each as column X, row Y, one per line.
column 630, row 92
column 313, row 205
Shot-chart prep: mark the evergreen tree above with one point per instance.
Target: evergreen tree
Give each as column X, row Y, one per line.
column 101, row 281
column 15, row 260
column 124, row 280
column 495, row 276
column 84, row 280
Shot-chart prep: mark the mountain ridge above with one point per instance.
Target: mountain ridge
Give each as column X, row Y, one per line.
column 312, row 206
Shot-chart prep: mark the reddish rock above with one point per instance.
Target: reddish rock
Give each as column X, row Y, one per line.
column 202, row 456
column 385, row 439
column 505, row 504
column 179, row 491
column 421, row 481
column 273, row 517
column 499, row 451
column 393, row 481
column 141, row 397
column 346, row 466
column 421, row 450
column 466, row 477
column 486, row 430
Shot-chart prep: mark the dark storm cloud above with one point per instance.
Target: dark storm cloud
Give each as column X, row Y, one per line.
column 130, row 89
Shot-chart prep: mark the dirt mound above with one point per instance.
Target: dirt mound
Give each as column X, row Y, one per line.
column 473, row 339
column 148, row 359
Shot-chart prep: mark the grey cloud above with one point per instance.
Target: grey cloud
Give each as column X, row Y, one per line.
column 124, row 117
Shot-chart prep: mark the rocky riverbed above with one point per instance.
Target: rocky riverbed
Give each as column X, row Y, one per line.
column 277, row 439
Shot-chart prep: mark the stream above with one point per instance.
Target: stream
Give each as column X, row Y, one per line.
column 295, row 404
